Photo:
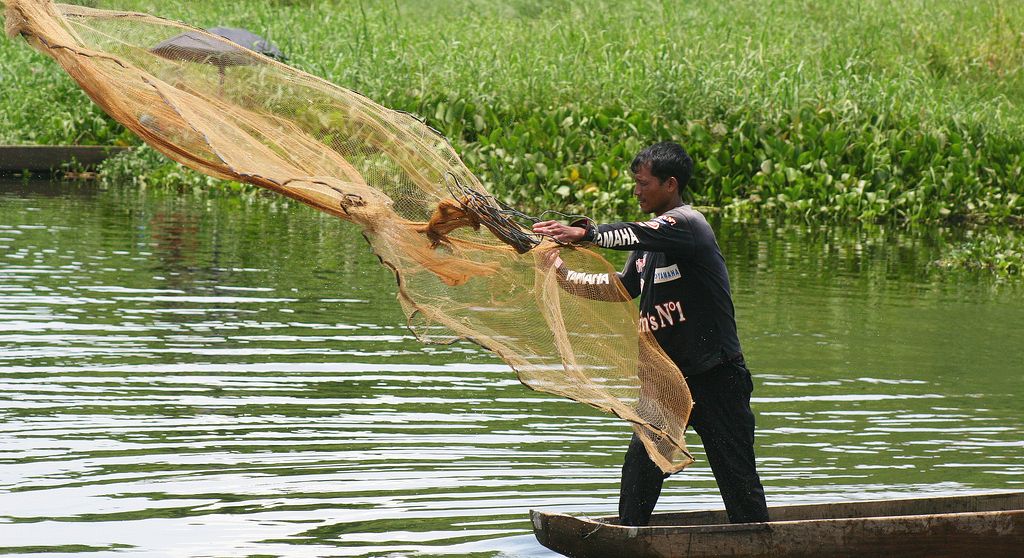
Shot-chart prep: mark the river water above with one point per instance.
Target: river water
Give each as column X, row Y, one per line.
column 184, row 374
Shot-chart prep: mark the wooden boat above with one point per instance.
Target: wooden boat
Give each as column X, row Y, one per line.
column 975, row 526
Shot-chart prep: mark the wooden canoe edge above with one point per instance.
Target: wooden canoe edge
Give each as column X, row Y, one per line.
column 918, row 505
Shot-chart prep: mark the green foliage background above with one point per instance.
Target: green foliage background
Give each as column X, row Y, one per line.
column 867, row 110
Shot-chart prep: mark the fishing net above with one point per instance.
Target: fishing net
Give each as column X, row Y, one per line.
column 465, row 267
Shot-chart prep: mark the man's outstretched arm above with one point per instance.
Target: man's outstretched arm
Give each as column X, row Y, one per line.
column 665, row 233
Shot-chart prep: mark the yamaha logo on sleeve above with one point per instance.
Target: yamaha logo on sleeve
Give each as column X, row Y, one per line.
column 666, row 274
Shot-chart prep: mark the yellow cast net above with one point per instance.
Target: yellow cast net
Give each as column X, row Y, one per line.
column 465, row 269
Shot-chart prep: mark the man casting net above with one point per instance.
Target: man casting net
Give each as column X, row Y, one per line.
column 464, row 268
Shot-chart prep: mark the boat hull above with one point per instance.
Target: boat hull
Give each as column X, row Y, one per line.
column 987, row 525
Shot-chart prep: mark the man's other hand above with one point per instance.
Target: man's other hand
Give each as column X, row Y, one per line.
column 562, row 233
column 547, row 260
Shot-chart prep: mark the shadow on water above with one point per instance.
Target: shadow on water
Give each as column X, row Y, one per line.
column 228, row 375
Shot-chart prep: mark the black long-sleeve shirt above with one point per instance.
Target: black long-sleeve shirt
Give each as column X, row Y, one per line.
column 679, row 273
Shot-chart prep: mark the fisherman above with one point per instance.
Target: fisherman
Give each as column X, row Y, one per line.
column 679, row 273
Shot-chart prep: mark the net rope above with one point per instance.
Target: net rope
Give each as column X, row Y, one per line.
column 465, row 265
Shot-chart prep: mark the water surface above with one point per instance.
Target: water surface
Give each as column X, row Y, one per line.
column 192, row 375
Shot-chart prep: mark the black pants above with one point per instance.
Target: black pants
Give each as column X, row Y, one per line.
column 723, row 419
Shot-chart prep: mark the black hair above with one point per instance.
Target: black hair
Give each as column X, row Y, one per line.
column 665, row 159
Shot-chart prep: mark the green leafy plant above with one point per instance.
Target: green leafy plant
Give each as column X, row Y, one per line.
column 832, row 112
column 1002, row 254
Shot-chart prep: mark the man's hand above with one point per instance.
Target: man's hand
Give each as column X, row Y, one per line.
column 549, row 259
column 562, row 233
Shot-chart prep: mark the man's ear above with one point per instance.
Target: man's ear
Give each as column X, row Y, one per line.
column 672, row 182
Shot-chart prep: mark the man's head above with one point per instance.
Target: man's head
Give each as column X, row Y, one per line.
column 661, row 171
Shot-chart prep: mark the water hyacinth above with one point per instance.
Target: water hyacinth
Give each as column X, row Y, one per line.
column 1001, row 253
column 827, row 113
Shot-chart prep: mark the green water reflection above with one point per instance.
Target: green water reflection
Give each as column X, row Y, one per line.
column 225, row 375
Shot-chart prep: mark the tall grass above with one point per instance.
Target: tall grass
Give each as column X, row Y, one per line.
column 839, row 110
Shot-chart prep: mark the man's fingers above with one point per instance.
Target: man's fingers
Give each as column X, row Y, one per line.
column 558, row 231
column 551, row 229
column 544, row 226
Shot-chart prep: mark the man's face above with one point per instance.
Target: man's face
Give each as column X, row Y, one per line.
column 655, row 195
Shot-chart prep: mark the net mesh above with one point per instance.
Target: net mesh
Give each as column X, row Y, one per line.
column 464, row 268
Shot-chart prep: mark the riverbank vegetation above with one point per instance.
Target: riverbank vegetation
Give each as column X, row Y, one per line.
column 829, row 112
